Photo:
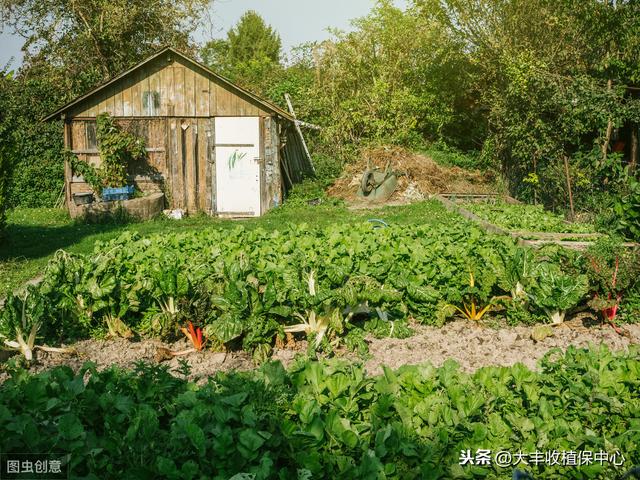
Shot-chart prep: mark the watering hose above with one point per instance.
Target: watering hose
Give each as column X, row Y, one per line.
column 380, row 223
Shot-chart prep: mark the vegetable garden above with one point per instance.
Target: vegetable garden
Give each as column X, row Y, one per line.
column 540, row 98
column 526, row 218
column 251, row 289
column 246, row 288
column 327, row 419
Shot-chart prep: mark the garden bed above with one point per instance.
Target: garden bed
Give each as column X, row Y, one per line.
column 328, row 419
column 246, row 289
column 472, row 346
column 531, row 225
column 527, row 219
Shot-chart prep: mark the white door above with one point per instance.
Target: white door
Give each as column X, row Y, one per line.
column 238, row 165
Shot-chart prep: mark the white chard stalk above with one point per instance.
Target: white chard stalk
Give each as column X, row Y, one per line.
column 19, row 343
column 169, row 306
column 556, row 316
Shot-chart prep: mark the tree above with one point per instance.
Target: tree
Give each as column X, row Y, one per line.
column 551, row 76
column 82, row 42
column 253, row 39
column 5, row 147
column 70, row 46
column 250, row 55
column 396, row 77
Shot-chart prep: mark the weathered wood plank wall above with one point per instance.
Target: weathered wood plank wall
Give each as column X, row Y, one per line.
column 171, row 88
column 172, row 104
column 272, row 192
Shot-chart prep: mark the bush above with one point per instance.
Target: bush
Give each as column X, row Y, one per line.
column 5, row 152
column 37, row 183
column 328, row 168
column 627, row 211
column 33, row 148
column 448, row 156
column 4, row 181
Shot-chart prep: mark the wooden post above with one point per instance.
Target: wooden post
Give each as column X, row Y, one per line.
column 535, row 189
column 566, row 172
column 607, row 138
column 68, row 174
column 297, row 124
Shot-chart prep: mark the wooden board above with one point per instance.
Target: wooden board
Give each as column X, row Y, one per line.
column 554, row 236
column 210, row 167
column 201, row 185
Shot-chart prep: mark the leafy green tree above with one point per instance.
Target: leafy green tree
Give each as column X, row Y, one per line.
column 396, row 77
column 253, row 39
column 250, row 55
column 31, row 149
column 95, row 39
column 69, row 48
column 5, row 148
column 551, row 77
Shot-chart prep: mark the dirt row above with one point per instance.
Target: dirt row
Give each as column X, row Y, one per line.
column 471, row 345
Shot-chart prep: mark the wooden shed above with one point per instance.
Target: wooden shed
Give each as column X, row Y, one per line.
column 212, row 146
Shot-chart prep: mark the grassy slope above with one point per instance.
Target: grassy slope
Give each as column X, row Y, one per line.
column 34, row 235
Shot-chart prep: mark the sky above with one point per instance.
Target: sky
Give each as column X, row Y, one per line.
column 297, row 21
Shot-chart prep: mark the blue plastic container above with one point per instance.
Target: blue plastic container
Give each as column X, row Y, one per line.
column 121, row 193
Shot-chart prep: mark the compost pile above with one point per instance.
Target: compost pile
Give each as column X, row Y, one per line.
column 420, row 176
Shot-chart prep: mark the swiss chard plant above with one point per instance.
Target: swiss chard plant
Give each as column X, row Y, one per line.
column 517, row 273
column 555, row 292
column 613, row 270
column 21, row 319
column 194, row 335
column 473, row 299
column 168, row 283
column 244, row 310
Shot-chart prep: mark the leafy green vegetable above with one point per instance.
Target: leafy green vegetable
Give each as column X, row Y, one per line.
column 21, row 320
column 245, row 287
column 614, row 272
column 518, row 272
column 528, row 218
column 555, row 292
column 328, row 419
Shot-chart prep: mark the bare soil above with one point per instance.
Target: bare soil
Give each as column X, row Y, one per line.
column 471, row 345
column 419, row 176
column 474, row 346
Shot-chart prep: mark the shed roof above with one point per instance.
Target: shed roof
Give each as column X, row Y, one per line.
column 232, row 86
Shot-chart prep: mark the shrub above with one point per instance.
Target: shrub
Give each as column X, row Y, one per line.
column 4, row 181
column 627, row 210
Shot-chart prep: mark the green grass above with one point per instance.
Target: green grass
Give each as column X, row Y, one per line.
column 35, row 234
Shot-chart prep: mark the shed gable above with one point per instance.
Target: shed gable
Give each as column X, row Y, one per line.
column 168, row 86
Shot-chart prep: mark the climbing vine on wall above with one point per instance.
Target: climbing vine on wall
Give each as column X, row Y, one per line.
column 117, row 147
column 88, row 172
